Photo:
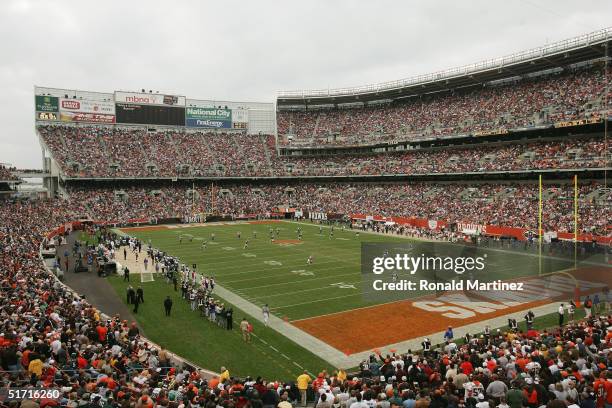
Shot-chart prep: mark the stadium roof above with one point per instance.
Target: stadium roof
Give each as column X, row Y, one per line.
column 563, row 53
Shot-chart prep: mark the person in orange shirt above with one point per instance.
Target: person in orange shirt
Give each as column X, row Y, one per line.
column 25, row 358
column 213, row 382
column 599, row 387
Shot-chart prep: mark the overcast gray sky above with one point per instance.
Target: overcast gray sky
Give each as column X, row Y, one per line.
column 249, row 49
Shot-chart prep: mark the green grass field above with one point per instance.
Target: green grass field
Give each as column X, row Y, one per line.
column 277, row 275
column 211, row 347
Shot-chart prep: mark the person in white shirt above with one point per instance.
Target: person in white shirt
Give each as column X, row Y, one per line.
column 451, row 372
column 503, row 403
column 25, row 340
column 56, row 345
column 571, row 309
column 359, row 403
column 482, row 403
column 369, row 400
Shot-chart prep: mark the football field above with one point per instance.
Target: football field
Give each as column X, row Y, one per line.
column 327, row 299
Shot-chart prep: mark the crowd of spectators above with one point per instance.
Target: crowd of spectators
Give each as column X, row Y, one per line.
column 123, row 204
column 116, row 152
column 518, row 157
column 566, row 367
column 6, row 174
column 106, row 151
column 570, row 95
column 52, row 338
column 511, row 205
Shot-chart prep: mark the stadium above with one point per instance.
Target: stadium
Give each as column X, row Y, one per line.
column 442, row 240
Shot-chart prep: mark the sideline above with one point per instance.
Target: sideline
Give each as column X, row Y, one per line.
column 174, row 358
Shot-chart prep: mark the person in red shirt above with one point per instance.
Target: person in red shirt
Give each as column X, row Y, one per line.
column 491, row 364
column 522, row 362
column 82, row 362
column 318, row 382
column 467, row 367
column 102, row 330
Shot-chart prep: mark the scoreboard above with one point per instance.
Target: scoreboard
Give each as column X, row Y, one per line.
column 150, row 114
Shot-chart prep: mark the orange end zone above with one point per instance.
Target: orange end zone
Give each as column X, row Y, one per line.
column 380, row 325
column 377, row 326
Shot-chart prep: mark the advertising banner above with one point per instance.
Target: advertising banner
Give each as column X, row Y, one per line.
column 470, row 229
column 317, row 216
column 86, row 106
column 492, row 132
column 578, row 122
column 46, row 116
column 86, row 117
column 149, row 99
column 46, row 103
column 208, row 118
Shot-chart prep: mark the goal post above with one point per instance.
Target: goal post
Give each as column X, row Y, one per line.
column 575, row 238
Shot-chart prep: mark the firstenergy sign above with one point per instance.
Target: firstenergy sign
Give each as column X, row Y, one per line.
column 208, row 117
column 149, row 99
